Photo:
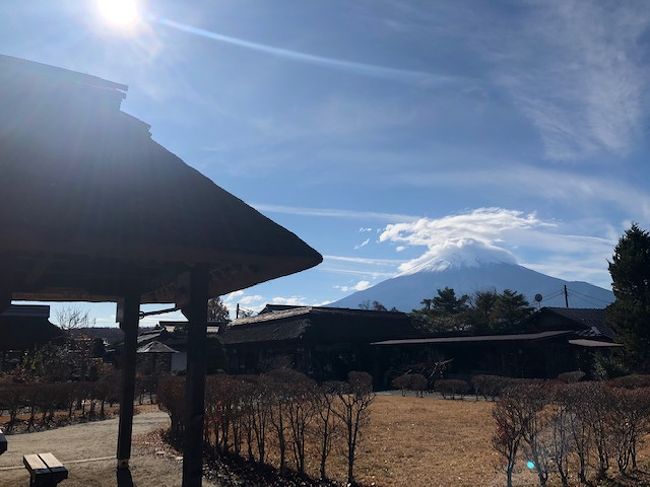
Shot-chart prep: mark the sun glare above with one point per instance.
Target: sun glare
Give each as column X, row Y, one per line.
column 119, row 13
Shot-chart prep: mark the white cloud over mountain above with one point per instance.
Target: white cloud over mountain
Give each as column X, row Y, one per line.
column 466, row 237
column 498, row 235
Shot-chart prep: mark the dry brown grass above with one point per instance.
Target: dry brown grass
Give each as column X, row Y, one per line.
column 413, row 442
column 423, row 442
column 430, row 442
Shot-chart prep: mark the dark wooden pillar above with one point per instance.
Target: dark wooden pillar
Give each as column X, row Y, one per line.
column 197, row 313
column 5, row 299
column 129, row 317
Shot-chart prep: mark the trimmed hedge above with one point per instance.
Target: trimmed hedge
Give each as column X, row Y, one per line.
column 452, row 388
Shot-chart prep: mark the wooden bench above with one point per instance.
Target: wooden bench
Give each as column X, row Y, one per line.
column 45, row 470
column 3, row 443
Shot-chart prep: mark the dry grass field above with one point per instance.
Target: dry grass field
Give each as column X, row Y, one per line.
column 413, row 442
column 430, row 442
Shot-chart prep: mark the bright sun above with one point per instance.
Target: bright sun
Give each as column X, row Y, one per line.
column 120, row 13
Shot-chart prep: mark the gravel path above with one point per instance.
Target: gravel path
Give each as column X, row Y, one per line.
column 79, row 441
column 88, row 450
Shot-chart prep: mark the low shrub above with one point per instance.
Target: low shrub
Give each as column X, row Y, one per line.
column 402, row 383
column 171, row 398
column 419, row 384
column 450, row 388
column 488, row 386
column 411, row 382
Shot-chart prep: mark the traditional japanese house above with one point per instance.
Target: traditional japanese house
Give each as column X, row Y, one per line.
column 22, row 328
column 325, row 343
column 551, row 341
column 170, row 339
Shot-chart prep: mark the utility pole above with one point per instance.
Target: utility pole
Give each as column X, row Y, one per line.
column 566, row 296
column 237, row 312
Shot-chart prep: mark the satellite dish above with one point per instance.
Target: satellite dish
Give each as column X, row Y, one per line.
column 538, row 297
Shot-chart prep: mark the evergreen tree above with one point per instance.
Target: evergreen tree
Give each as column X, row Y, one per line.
column 629, row 315
column 445, row 312
column 482, row 306
column 510, row 309
column 217, row 311
column 446, row 302
column 486, row 312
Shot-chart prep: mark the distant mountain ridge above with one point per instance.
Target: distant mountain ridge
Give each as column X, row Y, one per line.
column 466, row 276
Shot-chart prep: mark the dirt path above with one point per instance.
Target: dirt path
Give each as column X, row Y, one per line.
column 88, row 450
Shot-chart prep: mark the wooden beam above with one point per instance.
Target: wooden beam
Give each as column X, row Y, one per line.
column 197, row 313
column 129, row 316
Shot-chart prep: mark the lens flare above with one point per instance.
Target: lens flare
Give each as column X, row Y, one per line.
column 119, row 13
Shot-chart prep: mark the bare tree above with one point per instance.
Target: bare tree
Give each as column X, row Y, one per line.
column 561, row 444
column 575, row 398
column 72, row 318
column 248, row 395
column 354, row 399
column 278, row 403
column 327, row 428
column 631, row 423
column 301, row 409
column 602, row 404
column 509, row 429
column 259, row 410
column 537, row 433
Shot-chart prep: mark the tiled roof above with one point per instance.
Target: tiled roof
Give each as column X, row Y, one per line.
column 593, row 320
column 156, row 347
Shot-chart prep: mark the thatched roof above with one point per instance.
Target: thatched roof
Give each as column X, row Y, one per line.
column 89, row 203
column 319, row 324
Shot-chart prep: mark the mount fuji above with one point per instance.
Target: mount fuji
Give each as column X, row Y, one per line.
column 470, row 269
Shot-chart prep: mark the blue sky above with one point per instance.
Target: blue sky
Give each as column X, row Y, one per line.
column 381, row 131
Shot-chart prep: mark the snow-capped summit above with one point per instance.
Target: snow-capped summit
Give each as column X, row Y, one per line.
column 468, row 266
column 458, row 254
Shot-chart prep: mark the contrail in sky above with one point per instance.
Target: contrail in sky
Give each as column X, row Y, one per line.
column 334, row 213
column 351, row 66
